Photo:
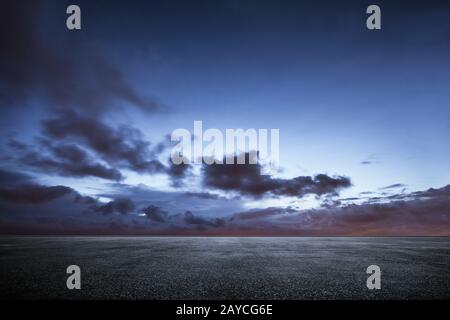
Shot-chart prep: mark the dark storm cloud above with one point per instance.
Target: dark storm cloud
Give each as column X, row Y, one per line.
column 393, row 186
column 27, row 207
column 433, row 193
column 402, row 217
column 123, row 146
column 191, row 219
column 203, row 195
column 262, row 213
column 87, row 200
column 155, row 213
column 177, row 173
column 329, row 202
column 371, row 159
column 33, row 193
column 67, row 160
column 248, row 180
column 350, row 199
column 80, row 83
column 17, row 145
column 119, row 205
column 417, row 195
column 78, row 145
column 33, row 66
column 9, row 178
column 424, row 213
column 20, row 188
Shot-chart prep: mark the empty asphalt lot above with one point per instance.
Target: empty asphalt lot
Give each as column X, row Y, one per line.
column 224, row 268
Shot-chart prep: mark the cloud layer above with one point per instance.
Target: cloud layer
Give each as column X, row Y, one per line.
column 28, row 207
column 246, row 179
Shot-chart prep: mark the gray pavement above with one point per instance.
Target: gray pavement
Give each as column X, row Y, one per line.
column 224, row 268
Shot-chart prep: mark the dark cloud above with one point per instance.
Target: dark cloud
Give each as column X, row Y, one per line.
column 177, row 173
column 204, row 203
column 17, row 145
column 120, row 205
column 424, row 213
column 33, row 193
column 20, row 188
column 417, row 195
column 330, row 202
column 31, row 66
column 122, row 147
column 155, row 213
column 263, row 213
column 393, row 186
column 247, row 179
column 78, row 145
column 67, row 160
column 71, row 83
column 350, row 199
column 203, row 195
column 408, row 217
column 9, row 178
column 85, row 200
column 433, row 193
column 371, row 159
column 164, row 145
column 61, row 209
column 191, row 219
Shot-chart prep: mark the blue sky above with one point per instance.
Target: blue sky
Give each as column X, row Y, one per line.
column 371, row 106
column 263, row 65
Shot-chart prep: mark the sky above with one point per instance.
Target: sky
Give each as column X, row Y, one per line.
column 363, row 116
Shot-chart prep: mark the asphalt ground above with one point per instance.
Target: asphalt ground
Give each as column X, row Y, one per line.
column 224, row 268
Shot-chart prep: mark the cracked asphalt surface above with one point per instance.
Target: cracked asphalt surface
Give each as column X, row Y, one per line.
column 224, row 268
